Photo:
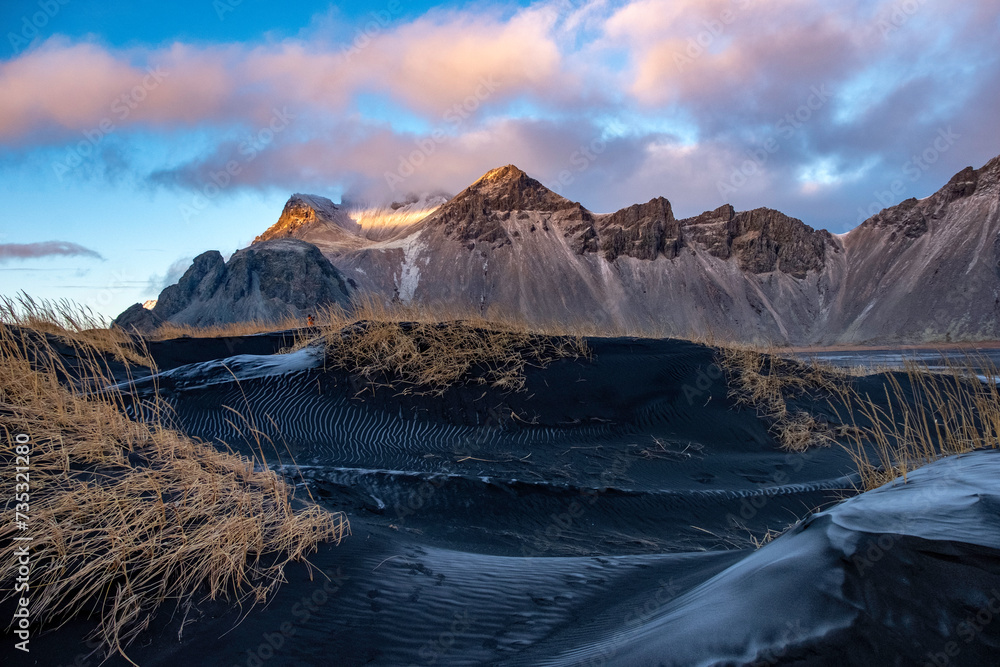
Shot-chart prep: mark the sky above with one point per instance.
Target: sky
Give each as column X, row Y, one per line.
column 136, row 135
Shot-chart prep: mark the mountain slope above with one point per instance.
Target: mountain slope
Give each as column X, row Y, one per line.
column 509, row 243
column 921, row 271
column 928, row 269
column 268, row 281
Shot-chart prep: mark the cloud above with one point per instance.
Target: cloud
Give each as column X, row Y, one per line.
column 9, row 251
column 432, row 65
column 678, row 93
column 62, row 89
column 373, row 163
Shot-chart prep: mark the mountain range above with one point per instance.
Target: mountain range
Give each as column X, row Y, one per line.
column 922, row 271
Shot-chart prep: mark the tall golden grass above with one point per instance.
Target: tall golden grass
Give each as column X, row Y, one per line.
column 765, row 381
column 926, row 415
column 73, row 324
column 920, row 415
column 125, row 515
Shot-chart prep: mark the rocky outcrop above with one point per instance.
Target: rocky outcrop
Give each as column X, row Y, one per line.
column 962, row 184
column 479, row 212
column 905, row 220
column 268, row 281
column 287, row 272
column 711, row 230
column 643, row 231
column 766, row 240
column 199, row 283
column 762, row 240
column 137, row 318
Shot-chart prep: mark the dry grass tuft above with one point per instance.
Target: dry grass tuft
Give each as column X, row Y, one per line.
column 919, row 416
column 416, row 353
column 126, row 515
column 769, row 535
column 765, row 382
column 927, row 416
column 75, row 325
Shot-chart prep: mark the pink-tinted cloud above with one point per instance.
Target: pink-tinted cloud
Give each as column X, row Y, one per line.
column 60, row 86
column 430, row 65
column 754, row 55
column 60, row 90
column 678, row 92
column 427, row 66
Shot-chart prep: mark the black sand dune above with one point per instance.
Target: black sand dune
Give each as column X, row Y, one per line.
column 643, row 436
column 602, row 516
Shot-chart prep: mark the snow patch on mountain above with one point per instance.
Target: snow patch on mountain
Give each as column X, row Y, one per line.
column 409, row 276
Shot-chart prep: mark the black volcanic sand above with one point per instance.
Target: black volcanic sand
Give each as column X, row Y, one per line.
column 601, row 516
column 190, row 349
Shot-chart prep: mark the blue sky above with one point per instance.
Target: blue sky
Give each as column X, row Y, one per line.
column 136, row 135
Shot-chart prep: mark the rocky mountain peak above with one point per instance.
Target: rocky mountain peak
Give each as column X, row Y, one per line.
column 303, row 212
column 478, row 213
column 508, row 189
column 990, row 172
column 507, row 172
column 962, row 184
column 766, row 240
column 762, row 240
column 971, row 181
column 910, row 219
column 266, row 281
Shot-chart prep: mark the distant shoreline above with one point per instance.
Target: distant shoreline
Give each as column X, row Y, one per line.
column 931, row 347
